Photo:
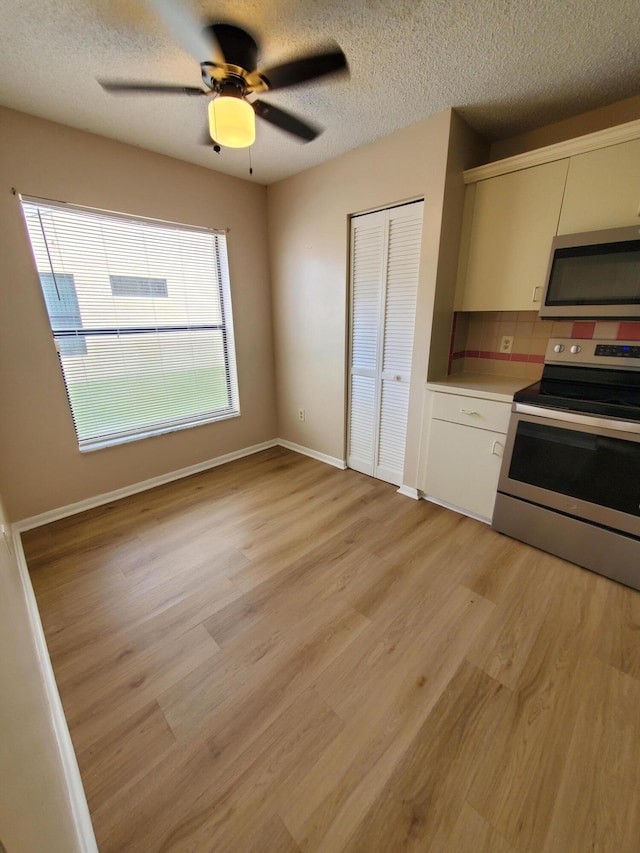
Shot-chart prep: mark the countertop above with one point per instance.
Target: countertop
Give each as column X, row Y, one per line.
column 485, row 385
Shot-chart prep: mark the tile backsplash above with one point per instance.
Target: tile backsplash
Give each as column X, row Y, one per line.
column 475, row 340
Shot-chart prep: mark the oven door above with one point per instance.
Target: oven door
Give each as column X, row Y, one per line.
column 584, row 466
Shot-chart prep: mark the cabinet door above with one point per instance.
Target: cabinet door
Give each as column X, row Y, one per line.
column 515, row 217
column 463, row 466
column 603, row 189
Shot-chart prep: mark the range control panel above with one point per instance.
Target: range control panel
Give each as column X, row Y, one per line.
column 624, row 354
column 618, row 350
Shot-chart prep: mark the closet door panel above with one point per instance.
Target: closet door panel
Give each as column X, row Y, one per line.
column 362, row 424
column 367, row 257
column 385, row 258
column 403, row 261
column 367, row 267
column 401, row 290
column 393, row 430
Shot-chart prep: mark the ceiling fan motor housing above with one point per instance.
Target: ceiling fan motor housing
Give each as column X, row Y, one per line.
column 231, row 88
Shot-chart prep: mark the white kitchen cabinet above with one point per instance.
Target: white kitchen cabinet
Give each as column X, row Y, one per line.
column 510, row 221
column 603, row 189
column 463, row 444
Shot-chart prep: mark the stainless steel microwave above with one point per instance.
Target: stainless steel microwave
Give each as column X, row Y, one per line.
column 595, row 274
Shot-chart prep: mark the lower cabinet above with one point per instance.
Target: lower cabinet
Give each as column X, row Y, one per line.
column 462, row 452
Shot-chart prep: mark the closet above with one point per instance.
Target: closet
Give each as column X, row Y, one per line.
column 384, row 266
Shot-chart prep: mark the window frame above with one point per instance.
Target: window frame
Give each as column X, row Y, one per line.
column 225, row 327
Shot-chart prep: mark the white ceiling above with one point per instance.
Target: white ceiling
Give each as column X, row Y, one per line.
column 506, row 65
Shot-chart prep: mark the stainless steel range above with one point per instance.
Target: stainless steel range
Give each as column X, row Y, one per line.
column 570, row 477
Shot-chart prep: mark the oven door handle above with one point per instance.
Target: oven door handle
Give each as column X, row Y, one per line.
column 576, row 418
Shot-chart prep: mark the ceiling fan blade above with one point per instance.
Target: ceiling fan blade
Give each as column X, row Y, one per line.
column 286, row 121
column 237, row 45
column 189, row 31
column 133, row 88
column 303, row 69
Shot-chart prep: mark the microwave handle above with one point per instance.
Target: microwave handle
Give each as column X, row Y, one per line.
column 536, row 293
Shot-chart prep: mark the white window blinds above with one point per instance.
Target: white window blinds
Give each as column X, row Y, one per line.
column 140, row 360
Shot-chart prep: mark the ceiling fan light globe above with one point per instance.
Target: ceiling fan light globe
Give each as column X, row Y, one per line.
column 232, row 122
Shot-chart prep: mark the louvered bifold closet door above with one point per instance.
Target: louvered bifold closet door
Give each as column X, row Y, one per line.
column 385, row 254
column 368, row 237
column 402, row 266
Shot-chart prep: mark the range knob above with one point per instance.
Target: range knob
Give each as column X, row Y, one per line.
column 558, row 348
column 575, row 349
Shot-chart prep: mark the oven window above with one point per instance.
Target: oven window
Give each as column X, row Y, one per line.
column 594, row 468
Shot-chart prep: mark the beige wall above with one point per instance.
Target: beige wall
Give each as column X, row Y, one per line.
column 35, row 814
column 308, row 229
column 466, row 148
column 590, row 122
column 40, row 465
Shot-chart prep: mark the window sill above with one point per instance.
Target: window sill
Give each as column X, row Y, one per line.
column 99, row 444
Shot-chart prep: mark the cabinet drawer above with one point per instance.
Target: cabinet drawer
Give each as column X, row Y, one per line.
column 471, row 411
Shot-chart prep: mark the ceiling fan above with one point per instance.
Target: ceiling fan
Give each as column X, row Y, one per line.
column 228, row 57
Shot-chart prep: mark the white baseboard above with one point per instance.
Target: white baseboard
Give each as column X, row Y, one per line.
column 409, row 492
column 135, row 488
column 74, row 789
column 457, row 509
column 314, row 454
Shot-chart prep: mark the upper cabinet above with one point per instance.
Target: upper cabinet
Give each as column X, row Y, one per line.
column 510, row 221
column 514, row 208
column 603, row 189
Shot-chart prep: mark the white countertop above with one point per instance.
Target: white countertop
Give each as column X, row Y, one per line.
column 488, row 386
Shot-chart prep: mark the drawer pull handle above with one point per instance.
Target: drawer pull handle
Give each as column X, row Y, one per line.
column 536, row 293
column 494, row 448
column 469, row 412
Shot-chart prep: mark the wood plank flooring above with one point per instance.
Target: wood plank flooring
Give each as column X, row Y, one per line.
column 278, row 656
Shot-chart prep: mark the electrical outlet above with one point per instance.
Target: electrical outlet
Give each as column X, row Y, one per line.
column 506, row 343
column 302, row 415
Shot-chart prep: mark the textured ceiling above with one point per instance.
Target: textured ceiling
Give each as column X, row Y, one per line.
column 507, row 66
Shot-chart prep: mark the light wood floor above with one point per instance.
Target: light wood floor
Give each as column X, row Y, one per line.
column 279, row 656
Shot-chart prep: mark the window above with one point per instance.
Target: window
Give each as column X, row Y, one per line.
column 141, row 314
column 60, row 297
